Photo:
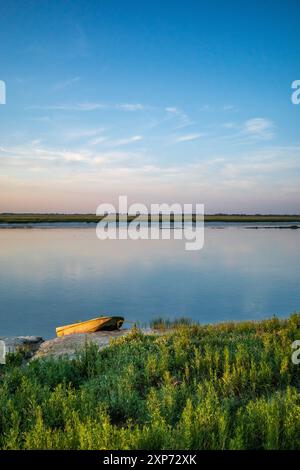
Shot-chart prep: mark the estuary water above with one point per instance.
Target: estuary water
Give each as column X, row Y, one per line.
column 50, row 277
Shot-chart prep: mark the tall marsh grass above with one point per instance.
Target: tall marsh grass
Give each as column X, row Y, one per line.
column 228, row 386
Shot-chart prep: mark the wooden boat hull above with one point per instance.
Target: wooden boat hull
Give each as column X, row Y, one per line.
column 90, row 326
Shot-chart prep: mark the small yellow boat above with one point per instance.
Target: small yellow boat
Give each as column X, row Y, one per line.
column 90, row 326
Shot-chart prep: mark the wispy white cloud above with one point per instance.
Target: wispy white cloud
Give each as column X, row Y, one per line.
column 207, row 107
column 126, row 141
column 98, row 140
column 183, row 120
column 259, row 128
column 76, row 134
column 92, row 106
column 248, row 132
column 61, row 85
column 249, row 178
column 218, row 108
column 41, row 119
column 249, row 171
column 89, row 106
column 172, row 110
column 24, row 155
column 229, row 107
column 131, row 106
column 188, row 137
column 115, row 142
column 230, row 125
column 33, row 154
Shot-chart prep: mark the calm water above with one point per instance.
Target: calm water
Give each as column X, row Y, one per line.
column 50, row 277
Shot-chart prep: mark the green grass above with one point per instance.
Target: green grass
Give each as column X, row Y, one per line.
column 92, row 218
column 161, row 323
column 228, row 386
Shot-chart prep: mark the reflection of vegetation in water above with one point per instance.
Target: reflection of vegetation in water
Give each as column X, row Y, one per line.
column 92, row 218
column 231, row 385
column 161, row 323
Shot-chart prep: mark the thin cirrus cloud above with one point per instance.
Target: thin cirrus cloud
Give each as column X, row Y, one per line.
column 65, row 83
column 116, row 142
column 229, row 125
column 33, row 166
column 89, row 106
column 188, row 137
column 213, row 108
column 229, row 107
column 92, row 106
column 82, row 133
column 183, row 120
column 260, row 128
column 131, row 106
column 250, row 167
column 126, row 141
column 34, row 155
column 250, row 131
column 98, row 140
column 92, row 150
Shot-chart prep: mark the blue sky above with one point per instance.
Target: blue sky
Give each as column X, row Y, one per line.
column 163, row 101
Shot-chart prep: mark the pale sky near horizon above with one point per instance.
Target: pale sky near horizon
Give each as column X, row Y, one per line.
column 161, row 101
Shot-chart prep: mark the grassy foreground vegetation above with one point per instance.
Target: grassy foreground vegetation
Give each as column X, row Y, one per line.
column 92, row 218
column 228, row 386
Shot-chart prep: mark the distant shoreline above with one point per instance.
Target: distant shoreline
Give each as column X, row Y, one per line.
column 9, row 218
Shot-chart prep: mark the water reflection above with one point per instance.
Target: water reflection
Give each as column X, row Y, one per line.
column 51, row 277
